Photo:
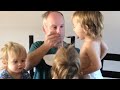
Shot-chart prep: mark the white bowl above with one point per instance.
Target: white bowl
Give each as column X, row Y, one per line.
column 49, row 59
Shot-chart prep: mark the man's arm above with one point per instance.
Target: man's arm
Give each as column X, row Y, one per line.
column 34, row 57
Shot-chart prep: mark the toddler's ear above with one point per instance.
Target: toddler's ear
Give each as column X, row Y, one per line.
column 86, row 28
column 4, row 61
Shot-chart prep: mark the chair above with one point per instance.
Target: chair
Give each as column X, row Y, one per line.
column 31, row 40
column 110, row 58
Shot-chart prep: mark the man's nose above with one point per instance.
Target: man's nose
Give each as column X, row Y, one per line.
column 58, row 30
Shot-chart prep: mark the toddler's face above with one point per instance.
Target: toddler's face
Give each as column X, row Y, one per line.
column 15, row 64
column 78, row 29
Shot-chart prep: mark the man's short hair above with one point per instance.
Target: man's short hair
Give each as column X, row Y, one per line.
column 46, row 14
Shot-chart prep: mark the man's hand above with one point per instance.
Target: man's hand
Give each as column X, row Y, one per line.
column 52, row 39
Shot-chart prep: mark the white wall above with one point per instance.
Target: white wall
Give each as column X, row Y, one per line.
column 18, row 25
column 111, row 30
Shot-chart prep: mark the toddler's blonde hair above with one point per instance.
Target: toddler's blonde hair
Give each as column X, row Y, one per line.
column 66, row 64
column 93, row 20
column 12, row 47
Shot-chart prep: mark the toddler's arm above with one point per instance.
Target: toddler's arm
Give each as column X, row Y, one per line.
column 104, row 49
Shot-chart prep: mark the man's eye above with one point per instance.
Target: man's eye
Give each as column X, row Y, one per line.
column 62, row 26
column 54, row 27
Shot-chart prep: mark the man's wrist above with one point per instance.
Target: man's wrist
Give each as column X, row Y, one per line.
column 47, row 47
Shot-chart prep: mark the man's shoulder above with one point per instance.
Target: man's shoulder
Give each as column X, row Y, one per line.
column 38, row 43
column 35, row 45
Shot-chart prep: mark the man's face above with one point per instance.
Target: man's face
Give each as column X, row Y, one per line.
column 55, row 23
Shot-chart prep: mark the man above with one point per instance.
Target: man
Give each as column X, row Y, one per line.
column 54, row 29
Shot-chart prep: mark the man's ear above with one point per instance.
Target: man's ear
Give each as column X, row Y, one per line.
column 44, row 28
